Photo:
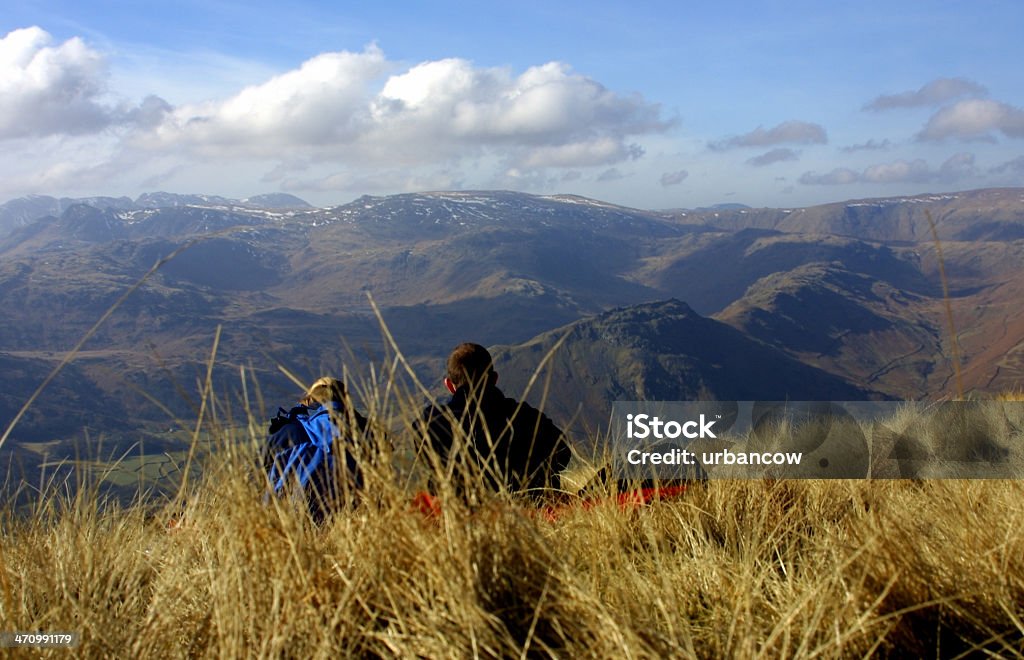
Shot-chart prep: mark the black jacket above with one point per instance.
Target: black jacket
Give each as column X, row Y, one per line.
column 502, row 441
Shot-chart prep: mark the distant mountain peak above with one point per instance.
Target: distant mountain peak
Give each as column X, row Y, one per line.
column 277, row 201
column 161, row 199
column 662, row 351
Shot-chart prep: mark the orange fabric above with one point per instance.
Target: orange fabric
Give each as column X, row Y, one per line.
column 430, row 505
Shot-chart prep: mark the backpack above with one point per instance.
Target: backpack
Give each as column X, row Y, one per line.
column 300, row 450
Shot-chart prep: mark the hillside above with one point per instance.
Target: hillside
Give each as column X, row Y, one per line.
column 661, row 351
column 874, row 334
column 993, row 214
column 860, row 302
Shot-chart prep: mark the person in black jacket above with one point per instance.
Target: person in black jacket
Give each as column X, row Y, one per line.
column 483, row 437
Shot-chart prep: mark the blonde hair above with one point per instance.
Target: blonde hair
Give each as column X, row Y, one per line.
column 323, row 390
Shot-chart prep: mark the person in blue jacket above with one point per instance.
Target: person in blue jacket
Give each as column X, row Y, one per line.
column 312, row 447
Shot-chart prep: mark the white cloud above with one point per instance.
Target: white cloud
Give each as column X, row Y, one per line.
column 788, row 132
column 338, row 121
column 915, row 171
column 543, row 103
column 596, row 151
column 956, row 168
column 339, row 107
column 934, row 93
column 974, row 119
column 50, row 90
column 323, row 102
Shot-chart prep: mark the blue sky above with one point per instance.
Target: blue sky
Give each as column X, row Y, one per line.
column 658, row 105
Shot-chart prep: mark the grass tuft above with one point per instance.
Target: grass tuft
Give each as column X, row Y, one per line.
column 731, row 569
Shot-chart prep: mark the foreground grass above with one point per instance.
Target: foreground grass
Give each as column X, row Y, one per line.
column 773, row 569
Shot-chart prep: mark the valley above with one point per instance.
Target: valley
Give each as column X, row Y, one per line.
column 841, row 301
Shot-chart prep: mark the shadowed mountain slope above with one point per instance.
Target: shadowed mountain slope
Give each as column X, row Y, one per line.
column 661, row 351
column 720, row 271
column 290, row 286
column 850, row 324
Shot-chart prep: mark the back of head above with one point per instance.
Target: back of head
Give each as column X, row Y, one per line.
column 469, row 364
column 324, row 390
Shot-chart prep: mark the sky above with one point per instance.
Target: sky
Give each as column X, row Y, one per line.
column 653, row 105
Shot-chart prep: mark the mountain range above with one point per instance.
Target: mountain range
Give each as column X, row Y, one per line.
column 24, row 210
column 836, row 301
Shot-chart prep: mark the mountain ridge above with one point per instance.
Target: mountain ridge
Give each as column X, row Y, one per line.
column 292, row 287
column 22, row 211
column 659, row 351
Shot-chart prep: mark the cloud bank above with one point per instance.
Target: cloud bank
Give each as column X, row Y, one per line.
column 360, row 121
column 346, row 110
column 974, row 119
column 958, row 167
column 49, row 90
column 934, row 93
column 788, row 132
column 340, row 106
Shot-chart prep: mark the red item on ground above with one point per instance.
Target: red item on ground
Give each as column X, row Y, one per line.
column 430, row 505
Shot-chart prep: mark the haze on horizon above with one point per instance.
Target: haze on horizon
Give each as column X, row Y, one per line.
column 656, row 106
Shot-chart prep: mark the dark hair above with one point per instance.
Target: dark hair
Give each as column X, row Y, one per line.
column 323, row 390
column 469, row 364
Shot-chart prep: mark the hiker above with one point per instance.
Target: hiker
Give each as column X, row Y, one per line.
column 312, row 447
column 483, row 437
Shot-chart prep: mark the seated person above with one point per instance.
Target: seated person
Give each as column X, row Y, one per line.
column 483, row 437
column 313, row 446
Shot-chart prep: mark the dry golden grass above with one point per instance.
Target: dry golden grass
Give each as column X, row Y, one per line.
column 901, row 568
column 732, row 569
